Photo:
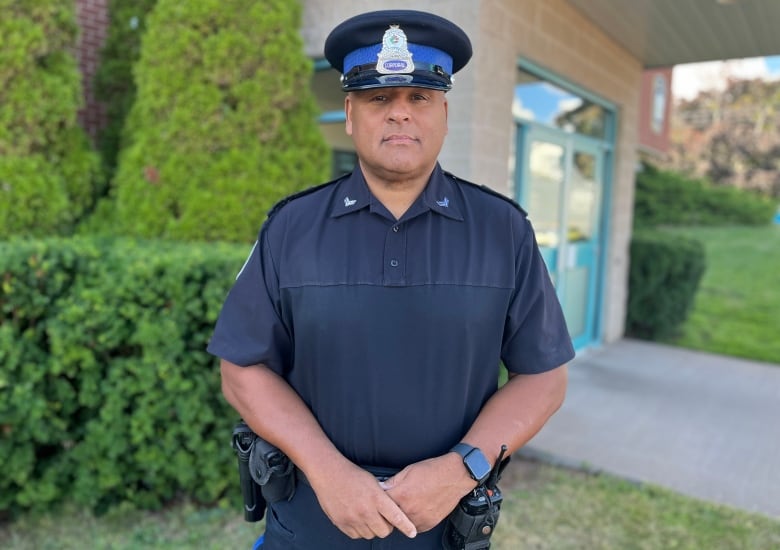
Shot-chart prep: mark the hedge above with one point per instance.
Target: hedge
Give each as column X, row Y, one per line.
column 48, row 170
column 224, row 123
column 663, row 279
column 114, row 83
column 106, row 392
column 669, row 198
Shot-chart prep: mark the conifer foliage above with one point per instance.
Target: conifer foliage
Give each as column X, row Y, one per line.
column 114, row 78
column 47, row 167
column 223, row 125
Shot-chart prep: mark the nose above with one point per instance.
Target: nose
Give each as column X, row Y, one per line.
column 398, row 111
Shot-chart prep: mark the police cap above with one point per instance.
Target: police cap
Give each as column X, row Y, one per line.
column 397, row 48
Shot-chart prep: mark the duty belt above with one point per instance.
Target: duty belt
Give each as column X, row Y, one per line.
column 378, row 472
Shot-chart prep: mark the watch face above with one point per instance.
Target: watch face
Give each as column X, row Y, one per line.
column 478, row 464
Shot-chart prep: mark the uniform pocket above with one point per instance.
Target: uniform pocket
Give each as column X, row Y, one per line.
column 277, row 534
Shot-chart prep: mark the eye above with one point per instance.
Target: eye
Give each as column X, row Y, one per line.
column 419, row 97
column 378, row 98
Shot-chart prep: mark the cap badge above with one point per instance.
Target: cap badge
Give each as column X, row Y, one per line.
column 395, row 56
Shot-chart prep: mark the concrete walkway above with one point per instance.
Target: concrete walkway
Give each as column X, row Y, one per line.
column 703, row 425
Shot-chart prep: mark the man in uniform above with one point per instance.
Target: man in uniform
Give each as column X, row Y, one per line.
column 363, row 335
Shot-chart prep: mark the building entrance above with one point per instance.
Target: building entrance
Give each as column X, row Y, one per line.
column 561, row 156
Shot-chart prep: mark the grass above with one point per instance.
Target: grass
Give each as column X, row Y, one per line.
column 182, row 526
column 553, row 508
column 546, row 507
column 737, row 308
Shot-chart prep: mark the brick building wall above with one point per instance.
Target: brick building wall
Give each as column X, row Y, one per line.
column 92, row 17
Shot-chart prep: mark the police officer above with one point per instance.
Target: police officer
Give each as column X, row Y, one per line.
column 364, row 333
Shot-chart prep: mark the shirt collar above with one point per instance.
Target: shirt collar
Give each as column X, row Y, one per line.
column 439, row 196
column 351, row 195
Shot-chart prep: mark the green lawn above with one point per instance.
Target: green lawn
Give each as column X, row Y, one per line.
column 546, row 508
column 737, row 308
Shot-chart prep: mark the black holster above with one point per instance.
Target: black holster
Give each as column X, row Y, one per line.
column 265, row 473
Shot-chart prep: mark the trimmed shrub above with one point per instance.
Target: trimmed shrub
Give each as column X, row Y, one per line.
column 47, row 168
column 114, row 83
column 663, row 279
column 106, row 392
column 224, row 123
column 668, row 198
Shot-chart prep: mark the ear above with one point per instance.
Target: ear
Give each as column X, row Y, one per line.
column 348, row 113
column 446, row 114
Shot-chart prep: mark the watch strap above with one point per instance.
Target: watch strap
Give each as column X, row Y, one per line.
column 469, row 454
column 462, row 449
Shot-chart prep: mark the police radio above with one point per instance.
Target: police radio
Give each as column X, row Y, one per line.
column 472, row 522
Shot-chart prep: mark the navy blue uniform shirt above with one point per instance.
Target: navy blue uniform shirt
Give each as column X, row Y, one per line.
column 391, row 331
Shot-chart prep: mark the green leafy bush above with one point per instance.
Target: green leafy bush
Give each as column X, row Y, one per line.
column 663, row 279
column 106, row 392
column 669, row 198
column 114, row 83
column 223, row 125
column 47, row 168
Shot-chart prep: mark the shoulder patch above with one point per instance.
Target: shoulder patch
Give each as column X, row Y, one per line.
column 487, row 190
column 299, row 194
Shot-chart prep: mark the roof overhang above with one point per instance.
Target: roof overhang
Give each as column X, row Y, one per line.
column 662, row 33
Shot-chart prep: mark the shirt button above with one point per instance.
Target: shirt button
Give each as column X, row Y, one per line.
column 395, row 229
column 394, row 263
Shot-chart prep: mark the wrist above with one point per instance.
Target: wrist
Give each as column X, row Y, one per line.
column 458, row 474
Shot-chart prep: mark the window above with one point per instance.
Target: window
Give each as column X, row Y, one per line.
column 659, row 104
column 544, row 102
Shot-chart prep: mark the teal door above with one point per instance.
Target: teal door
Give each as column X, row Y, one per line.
column 561, row 186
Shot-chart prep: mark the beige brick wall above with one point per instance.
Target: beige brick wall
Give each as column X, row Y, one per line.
column 555, row 36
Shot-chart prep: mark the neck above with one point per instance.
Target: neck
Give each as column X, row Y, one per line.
column 396, row 194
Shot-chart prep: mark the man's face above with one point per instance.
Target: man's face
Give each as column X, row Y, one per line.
column 398, row 132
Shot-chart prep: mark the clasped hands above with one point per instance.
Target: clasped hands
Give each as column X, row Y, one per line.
column 415, row 500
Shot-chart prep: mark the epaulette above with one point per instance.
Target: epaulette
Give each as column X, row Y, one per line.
column 275, row 208
column 488, row 190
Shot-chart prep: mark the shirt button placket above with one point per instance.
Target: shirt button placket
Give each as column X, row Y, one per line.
column 395, row 256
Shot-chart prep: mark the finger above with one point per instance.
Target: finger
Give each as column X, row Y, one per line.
column 356, row 532
column 380, row 528
column 396, row 517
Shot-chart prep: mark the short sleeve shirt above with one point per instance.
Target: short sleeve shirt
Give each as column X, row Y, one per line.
column 392, row 331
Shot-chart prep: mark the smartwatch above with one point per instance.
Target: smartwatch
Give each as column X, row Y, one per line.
column 475, row 462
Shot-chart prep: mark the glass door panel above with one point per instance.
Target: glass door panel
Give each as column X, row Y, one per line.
column 561, row 188
column 583, row 211
column 546, row 162
column 583, row 197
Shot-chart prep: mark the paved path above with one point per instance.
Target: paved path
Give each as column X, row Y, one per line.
column 703, row 425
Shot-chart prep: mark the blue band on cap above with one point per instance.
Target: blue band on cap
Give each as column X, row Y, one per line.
column 420, row 54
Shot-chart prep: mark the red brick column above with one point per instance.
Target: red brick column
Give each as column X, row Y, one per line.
column 92, row 17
